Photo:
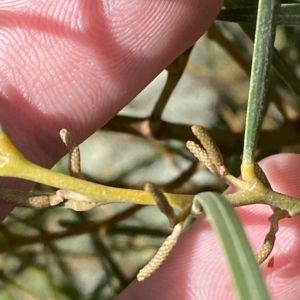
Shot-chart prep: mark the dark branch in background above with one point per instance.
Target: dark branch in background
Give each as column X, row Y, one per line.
column 270, row 140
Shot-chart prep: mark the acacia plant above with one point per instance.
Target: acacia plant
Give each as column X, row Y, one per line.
column 259, row 22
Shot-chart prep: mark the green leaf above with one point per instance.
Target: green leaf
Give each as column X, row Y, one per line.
column 245, row 273
column 261, row 65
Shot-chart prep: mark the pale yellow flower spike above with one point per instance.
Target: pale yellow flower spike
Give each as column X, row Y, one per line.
column 161, row 254
column 74, row 153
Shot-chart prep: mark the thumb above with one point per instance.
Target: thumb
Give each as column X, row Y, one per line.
column 74, row 64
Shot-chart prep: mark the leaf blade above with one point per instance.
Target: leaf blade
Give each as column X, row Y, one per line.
column 244, row 270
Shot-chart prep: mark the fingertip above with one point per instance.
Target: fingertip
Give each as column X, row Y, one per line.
column 282, row 171
column 196, row 269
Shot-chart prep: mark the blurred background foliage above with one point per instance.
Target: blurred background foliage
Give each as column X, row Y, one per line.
column 61, row 254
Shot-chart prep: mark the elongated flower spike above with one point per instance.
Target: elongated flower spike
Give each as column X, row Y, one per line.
column 176, row 222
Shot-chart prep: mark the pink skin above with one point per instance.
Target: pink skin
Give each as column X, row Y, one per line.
column 75, row 64
column 196, row 268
